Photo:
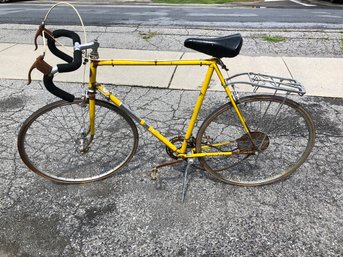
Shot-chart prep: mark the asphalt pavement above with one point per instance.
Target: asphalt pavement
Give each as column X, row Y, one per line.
column 127, row 215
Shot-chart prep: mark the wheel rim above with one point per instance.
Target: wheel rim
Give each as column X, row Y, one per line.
column 49, row 143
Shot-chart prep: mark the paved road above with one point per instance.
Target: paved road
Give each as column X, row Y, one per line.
column 189, row 16
column 127, row 216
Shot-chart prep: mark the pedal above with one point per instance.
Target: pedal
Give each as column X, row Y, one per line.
column 154, row 174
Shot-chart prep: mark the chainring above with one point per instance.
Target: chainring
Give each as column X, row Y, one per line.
column 179, row 139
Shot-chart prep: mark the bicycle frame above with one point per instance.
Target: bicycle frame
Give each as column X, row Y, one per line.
column 212, row 66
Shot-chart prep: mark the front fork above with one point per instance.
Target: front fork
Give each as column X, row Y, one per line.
column 91, row 99
column 87, row 130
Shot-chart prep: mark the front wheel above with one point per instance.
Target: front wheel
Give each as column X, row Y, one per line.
column 282, row 135
column 54, row 142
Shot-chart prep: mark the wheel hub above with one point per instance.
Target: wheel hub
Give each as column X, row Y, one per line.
column 260, row 139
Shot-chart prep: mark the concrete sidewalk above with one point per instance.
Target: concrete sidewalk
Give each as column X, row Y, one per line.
column 320, row 76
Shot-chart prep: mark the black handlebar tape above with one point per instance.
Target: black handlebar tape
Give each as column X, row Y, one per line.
column 71, row 65
column 67, row 33
column 50, row 86
column 77, row 60
column 62, row 33
column 57, row 52
column 67, row 67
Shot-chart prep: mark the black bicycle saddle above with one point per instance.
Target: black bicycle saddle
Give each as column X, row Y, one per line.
column 228, row 46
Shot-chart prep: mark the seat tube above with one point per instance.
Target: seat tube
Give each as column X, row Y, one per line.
column 198, row 105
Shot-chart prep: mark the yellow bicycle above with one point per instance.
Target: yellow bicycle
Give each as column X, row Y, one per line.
column 248, row 141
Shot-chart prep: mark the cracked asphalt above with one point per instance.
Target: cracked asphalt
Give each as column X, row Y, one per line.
column 126, row 215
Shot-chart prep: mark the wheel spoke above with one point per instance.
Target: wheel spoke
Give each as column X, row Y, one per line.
column 282, row 133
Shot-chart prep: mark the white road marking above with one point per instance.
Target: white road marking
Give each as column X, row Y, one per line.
column 303, row 4
column 294, row 1
column 330, row 16
column 226, row 14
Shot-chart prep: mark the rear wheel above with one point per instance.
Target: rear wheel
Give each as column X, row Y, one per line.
column 282, row 135
column 54, row 142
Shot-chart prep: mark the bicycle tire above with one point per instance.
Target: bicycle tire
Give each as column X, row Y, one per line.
column 283, row 133
column 50, row 141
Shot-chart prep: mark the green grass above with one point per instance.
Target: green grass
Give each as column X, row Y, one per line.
column 149, row 35
column 274, row 39
column 198, row 1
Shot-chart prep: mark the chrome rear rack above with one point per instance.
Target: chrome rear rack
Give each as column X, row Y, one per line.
column 258, row 80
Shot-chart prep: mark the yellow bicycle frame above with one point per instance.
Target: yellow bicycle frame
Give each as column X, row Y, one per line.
column 212, row 66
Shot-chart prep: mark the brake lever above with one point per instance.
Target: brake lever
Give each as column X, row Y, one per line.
column 41, row 65
column 39, row 32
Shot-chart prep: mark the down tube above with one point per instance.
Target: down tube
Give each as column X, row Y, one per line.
column 151, row 129
column 142, row 122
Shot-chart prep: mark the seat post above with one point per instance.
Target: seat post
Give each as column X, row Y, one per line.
column 222, row 64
